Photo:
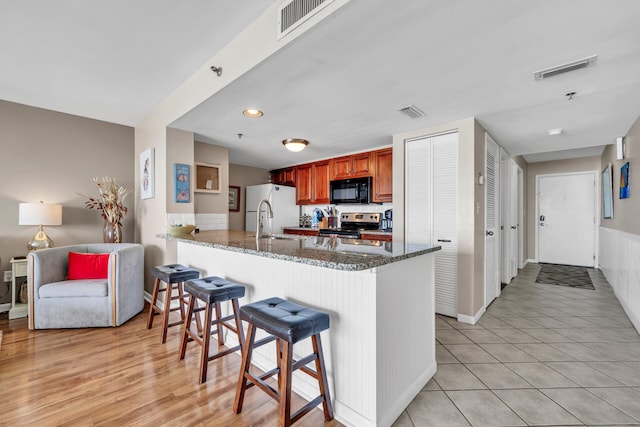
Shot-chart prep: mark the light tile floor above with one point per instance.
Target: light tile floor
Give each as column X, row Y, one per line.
column 540, row 355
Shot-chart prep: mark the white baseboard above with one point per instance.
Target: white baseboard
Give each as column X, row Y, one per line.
column 530, row 260
column 5, row 307
column 471, row 320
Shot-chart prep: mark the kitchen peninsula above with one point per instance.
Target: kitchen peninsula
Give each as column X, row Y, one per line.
column 380, row 348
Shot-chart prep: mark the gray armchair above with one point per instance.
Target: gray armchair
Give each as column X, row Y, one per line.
column 55, row 302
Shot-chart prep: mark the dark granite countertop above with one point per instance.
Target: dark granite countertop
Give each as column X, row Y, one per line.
column 336, row 253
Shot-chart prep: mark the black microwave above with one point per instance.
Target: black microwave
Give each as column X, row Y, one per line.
column 355, row 190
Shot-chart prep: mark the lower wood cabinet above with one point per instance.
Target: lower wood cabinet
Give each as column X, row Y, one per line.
column 379, row 237
column 301, row 232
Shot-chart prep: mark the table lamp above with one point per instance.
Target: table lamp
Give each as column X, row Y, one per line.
column 39, row 214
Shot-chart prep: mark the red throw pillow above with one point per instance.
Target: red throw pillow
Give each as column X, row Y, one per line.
column 88, row 266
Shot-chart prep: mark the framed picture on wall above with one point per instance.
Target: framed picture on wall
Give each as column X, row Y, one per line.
column 607, row 192
column 234, row 198
column 147, row 174
column 624, row 181
column 182, row 179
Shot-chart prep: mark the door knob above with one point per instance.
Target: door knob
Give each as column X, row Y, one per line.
column 489, row 233
column 542, row 224
column 513, row 227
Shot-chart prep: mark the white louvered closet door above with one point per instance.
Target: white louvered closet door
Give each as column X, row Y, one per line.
column 432, row 210
column 491, row 212
column 418, row 191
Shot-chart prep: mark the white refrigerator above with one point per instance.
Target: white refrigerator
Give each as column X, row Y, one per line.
column 283, row 202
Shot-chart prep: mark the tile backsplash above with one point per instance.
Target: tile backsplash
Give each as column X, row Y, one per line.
column 202, row 221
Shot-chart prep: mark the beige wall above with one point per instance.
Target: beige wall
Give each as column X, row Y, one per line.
column 180, row 149
column 626, row 212
column 213, row 202
column 241, row 176
column 52, row 156
column 470, row 207
column 545, row 168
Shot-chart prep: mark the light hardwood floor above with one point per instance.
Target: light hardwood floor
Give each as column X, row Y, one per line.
column 121, row 377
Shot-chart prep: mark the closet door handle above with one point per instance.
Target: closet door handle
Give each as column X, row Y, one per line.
column 444, row 240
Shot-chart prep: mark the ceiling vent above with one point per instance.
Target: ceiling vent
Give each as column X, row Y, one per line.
column 565, row 68
column 412, row 111
column 294, row 12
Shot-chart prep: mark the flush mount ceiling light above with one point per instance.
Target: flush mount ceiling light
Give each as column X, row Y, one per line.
column 252, row 112
column 554, row 132
column 295, row 144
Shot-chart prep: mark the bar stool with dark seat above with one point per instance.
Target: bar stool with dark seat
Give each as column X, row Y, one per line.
column 173, row 275
column 212, row 291
column 288, row 323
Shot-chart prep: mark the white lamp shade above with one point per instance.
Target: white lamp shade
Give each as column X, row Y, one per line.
column 39, row 214
column 295, row 144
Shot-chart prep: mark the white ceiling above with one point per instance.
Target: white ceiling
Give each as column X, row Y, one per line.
column 340, row 84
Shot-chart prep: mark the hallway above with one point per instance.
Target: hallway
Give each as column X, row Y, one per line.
column 540, row 355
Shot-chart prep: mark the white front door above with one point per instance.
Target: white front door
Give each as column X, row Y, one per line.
column 566, row 218
column 492, row 222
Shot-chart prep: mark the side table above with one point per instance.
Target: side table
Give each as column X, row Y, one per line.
column 18, row 277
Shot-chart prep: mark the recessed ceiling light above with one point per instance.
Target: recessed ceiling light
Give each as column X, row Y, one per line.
column 295, row 144
column 553, row 132
column 252, row 112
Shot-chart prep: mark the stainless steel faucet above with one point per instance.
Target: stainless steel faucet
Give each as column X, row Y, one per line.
column 259, row 217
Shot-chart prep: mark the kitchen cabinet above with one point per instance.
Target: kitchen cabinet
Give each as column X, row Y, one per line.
column 382, row 176
column 353, row 166
column 286, row 176
column 301, row 231
column 312, row 183
column 376, row 236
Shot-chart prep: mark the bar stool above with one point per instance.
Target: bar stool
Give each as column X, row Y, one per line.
column 212, row 291
column 173, row 275
column 288, row 323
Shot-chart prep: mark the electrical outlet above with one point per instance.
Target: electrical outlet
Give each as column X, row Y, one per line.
column 7, row 276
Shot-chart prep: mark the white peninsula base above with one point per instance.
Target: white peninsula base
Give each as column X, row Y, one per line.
column 380, row 348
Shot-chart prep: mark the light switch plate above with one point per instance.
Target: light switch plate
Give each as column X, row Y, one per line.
column 7, row 276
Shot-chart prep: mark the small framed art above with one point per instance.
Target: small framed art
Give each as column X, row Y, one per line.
column 147, row 174
column 234, row 198
column 182, row 178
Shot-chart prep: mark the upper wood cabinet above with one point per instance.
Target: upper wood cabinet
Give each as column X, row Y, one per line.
column 382, row 176
column 286, row 176
column 321, row 184
column 304, row 189
column 353, row 166
column 312, row 183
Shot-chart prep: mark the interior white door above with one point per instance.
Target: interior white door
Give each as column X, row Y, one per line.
column 492, row 221
column 513, row 221
column 445, row 222
column 566, row 218
column 505, row 219
column 431, row 209
column 520, row 237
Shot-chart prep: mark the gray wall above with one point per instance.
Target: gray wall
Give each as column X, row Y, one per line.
column 626, row 212
column 52, row 156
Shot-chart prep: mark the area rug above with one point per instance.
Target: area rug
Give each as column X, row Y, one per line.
column 565, row 275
